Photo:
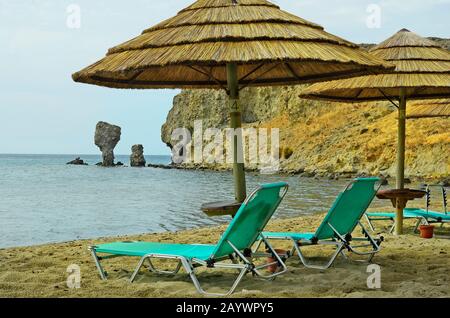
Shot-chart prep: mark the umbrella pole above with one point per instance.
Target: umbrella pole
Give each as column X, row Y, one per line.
column 236, row 123
column 401, row 160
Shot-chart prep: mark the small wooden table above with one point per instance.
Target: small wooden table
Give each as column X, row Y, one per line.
column 399, row 199
column 221, row 208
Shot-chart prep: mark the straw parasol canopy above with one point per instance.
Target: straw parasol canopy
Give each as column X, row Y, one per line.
column 230, row 44
column 422, row 72
column 422, row 68
column 191, row 50
column 429, row 109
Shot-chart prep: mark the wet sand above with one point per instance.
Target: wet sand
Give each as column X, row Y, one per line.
column 410, row 267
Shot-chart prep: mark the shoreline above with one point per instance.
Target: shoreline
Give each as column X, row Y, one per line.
column 445, row 180
column 44, row 244
column 411, row 267
column 300, row 172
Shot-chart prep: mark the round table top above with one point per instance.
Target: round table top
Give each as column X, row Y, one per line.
column 406, row 194
column 221, row 208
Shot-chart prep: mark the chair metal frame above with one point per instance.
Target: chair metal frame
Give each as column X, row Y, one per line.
column 341, row 242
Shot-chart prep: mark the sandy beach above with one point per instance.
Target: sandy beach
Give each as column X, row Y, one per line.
column 410, row 267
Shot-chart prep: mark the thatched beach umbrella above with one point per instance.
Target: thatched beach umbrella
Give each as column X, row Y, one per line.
column 422, row 72
column 429, row 109
column 230, row 44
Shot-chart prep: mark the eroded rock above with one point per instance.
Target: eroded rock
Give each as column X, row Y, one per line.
column 167, row 167
column 107, row 136
column 78, row 162
column 137, row 156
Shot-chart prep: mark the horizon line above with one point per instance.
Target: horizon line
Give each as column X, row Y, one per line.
column 71, row 154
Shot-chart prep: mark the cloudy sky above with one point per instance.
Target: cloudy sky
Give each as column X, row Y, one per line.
column 43, row 111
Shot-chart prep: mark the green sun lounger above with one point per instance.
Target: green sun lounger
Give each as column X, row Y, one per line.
column 233, row 251
column 338, row 225
column 408, row 213
column 423, row 216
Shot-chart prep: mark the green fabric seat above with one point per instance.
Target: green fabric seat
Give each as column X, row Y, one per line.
column 408, row 213
column 432, row 215
column 143, row 248
column 288, row 235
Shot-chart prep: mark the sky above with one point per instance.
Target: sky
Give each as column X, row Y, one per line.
column 42, row 111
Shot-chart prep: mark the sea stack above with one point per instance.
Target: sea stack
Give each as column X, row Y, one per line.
column 106, row 138
column 137, row 156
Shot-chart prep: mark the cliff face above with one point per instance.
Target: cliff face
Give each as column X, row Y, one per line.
column 325, row 138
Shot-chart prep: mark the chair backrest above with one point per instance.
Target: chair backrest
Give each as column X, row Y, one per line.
column 428, row 197
column 251, row 218
column 444, row 199
column 348, row 209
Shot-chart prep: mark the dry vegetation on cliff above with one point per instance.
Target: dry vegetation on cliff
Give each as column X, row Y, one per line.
column 351, row 139
column 326, row 138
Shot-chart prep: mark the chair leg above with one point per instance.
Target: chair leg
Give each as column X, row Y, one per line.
column 375, row 244
column 191, row 271
column 343, row 254
column 418, row 223
column 187, row 265
column 102, row 273
column 293, row 250
column 391, row 230
column 138, row 268
column 153, row 269
column 256, row 270
column 258, row 245
column 306, row 263
column 234, row 259
column 369, row 221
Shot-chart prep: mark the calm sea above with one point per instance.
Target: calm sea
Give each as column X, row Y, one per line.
column 43, row 200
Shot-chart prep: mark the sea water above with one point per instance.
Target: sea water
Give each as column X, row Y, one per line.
column 43, row 200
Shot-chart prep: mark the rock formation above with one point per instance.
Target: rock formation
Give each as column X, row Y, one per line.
column 137, row 156
column 78, row 161
column 106, row 138
column 160, row 166
column 325, row 138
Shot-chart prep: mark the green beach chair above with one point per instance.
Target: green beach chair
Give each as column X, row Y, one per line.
column 234, row 245
column 338, row 225
column 423, row 216
column 371, row 217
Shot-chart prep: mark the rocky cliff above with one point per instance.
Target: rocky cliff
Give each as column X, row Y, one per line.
column 322, row 138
